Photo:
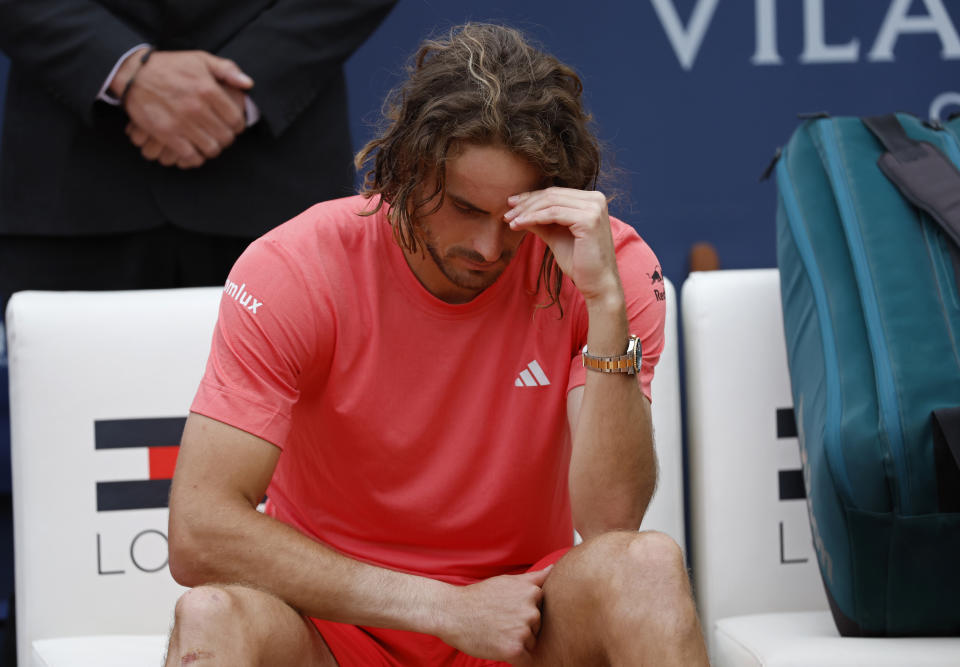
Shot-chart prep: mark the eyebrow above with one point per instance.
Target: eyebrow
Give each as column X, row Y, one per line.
column 466, row 204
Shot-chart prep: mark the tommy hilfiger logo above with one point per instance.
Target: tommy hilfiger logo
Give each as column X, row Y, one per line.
column 241, row 296
column 160, row 438
column 532, row 376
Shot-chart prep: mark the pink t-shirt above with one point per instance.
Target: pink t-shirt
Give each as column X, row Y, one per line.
column 416, row 434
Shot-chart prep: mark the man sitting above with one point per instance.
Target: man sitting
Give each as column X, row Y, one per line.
column 404, row 374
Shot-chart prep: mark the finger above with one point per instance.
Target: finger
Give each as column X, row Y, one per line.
column 575, row 199
column 216, row 114
column 185, row 151
column 537, row 577
column 151, row 149
column 554, row 214
column 206, row 135
column 190, row 164
column 138, row 136
column 167, row 157
column 227, row 107
column 228, row 72
column 221, row 130
column 554, row 191
column 221, row 110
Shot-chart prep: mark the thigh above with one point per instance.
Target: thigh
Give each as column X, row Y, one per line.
column 573, row 622
column 112, row 261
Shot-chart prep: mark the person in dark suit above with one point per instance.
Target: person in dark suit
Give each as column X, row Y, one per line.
column 147, row 143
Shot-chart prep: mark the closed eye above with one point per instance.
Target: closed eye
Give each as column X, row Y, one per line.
column 466, row 210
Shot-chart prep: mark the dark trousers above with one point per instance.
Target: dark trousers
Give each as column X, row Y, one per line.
column 157, row 258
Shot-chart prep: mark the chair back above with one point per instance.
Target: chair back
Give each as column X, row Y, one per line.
column 100, row 386
column 750, row 532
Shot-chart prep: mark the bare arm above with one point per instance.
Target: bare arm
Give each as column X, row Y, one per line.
column 217, row 536
column 613, row 469
column 613, row 465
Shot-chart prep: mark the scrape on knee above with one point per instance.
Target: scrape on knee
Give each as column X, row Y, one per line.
column 194, row 656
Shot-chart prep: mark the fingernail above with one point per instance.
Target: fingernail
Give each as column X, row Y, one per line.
column 510, row 214
column 244, row 79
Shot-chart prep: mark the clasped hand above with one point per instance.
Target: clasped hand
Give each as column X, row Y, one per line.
column 186, row 107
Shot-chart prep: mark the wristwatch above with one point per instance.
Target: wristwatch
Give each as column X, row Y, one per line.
column 625, row 363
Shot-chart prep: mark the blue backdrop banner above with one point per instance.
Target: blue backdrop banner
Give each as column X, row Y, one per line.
column 692, row 97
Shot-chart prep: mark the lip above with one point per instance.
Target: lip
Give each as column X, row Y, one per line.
column 477, row 266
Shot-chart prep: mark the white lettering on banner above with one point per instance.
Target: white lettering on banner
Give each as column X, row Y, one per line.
column 766, row 23
column 815, row 47
column 685, row 41
column 898, row 22
column 941, row 102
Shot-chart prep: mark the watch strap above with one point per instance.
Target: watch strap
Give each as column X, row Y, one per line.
column 622, row 363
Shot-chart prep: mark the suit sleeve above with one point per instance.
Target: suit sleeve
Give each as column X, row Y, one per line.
column 70, row 46
column 293, row 48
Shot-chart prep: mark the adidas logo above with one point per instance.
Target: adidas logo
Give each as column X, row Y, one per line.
column 532, row 376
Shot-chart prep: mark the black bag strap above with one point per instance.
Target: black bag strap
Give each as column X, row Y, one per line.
column 922, row 173
column 946, row 457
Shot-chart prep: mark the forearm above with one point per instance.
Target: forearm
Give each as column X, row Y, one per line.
column 237, row 544
column 613, row 465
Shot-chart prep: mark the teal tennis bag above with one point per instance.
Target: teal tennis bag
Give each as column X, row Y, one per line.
column 868, row 232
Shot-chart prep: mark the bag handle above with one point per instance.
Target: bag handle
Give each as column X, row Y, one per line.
column 922, row 173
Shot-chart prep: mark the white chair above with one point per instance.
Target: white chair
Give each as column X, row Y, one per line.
column 100, row 384
column 756, row 579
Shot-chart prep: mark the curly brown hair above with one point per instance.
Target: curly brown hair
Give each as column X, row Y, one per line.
column 481, row 84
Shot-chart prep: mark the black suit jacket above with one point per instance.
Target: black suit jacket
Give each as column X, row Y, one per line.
column 68, row 168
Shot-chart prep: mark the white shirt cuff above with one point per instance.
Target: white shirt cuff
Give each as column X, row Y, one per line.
column 250, row 110
column 105, row 95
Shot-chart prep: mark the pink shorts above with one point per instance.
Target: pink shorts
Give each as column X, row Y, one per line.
column 355, row 646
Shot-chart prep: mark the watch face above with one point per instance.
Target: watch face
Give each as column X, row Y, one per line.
column 637, row 354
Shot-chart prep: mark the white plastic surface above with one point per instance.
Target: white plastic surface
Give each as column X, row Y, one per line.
column 100, row 651
column 752, row 551
column 75, row 358
column 809, row 639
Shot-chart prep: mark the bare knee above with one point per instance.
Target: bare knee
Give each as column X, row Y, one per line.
column 650, row 585
column 651, row 553
column 207, row 607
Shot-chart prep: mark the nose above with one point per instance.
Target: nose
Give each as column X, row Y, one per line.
column 489, row 240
